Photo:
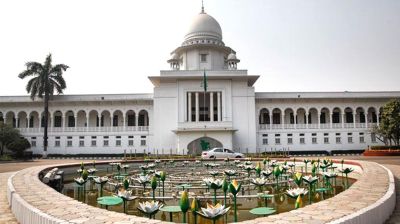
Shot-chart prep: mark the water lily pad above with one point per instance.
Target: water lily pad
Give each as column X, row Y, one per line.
column 262, row 211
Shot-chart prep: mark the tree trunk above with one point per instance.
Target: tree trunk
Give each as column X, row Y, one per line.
column 46, row 119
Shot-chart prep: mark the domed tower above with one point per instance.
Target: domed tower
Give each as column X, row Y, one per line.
column 203, row 47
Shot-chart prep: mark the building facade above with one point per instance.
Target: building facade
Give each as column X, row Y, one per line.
column 180, row 114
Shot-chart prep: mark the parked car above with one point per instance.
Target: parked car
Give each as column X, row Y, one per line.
column 221, row 153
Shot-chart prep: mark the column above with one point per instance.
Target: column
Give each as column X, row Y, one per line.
column 270, row 120
column 63, row 122
column 87, row 122
column 306, row 120
column 319, row 120
column 219, row 106
column 99, row 118
column 295, row 121
column 189, row 119
column 330, row 120
column 377, row 119
column 283, row 120
column 343, row 117
column 76, row 121
column 137, row 121
column 16, row 122
column 197, row 106
column 28, row 119
column 124, row 121
column 354, row 120
column 366, row 120
column 211, row 106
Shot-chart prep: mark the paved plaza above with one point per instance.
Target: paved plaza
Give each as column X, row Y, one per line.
column 7, row 169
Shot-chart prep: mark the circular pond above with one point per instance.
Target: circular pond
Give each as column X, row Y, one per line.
column 266, row 187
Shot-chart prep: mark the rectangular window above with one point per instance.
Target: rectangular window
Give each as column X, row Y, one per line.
column 289, row 135
column 130, row 136
column 57, row 143
column 350, row 139
column 81, row 143
column 131, row 120
column 118, row 142
column 265, row 135
column 314, row 140
column 338, row 140
column 290, row 140
column 265, row 141
column 105, row 143
column 373, row 137
column 362, row 140
column 33, row 143
column 94, row 143
column 130, row 142
column 203, row 57
column 69, row 143
column 143, row 142
column 302, row 141
column 277, row 141
column 314, row 134
column 326, row 140
column 301, row 134
column 94, row 137
column 326, row 134
column 81, row 137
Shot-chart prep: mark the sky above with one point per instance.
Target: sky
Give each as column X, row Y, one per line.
column 294, row 45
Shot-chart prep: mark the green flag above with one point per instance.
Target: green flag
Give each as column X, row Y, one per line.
column 204, row 83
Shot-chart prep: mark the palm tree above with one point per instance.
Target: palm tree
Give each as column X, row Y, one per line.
column 46, row 79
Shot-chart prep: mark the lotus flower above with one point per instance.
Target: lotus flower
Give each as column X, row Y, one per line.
column 310, row 179
column 234, row 187
column 157, row 161
column 149, row 207
column 346, row 170
column 213, row 173
column 213, row 183
column 157, row 174
column 197, row 161
column 80, row 181
column 100, row 180
column 144, row 167
column 230, row 172
column 194, row 206
column 154, row 182
column 266, row 173
column 258, row 169
column 277, row 171
column 171, row 161
column 298, row 178
column 85, row 174
column 329, row 174
column 126, row 184
column 163, row 175
column 248, row 167
column 127, row 195
column 143, row 179
column 92, row 171
column 299, row 202
column 295, row 192
column 248, row 163
column 236, row 161
column 240, row 166
column 212, row 212
column 258, row 181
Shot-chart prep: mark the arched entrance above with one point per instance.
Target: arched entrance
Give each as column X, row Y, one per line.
column 201, row 144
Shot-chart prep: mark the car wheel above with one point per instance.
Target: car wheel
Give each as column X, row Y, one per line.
column 238, row 157
column 212, row 157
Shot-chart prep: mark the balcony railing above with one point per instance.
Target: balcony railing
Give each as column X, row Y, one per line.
column 88, row 129
column 315, row 126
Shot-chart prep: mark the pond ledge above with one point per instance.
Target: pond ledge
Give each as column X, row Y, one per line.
column 369, row 200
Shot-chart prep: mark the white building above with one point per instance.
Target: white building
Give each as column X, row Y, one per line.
column 180, row 114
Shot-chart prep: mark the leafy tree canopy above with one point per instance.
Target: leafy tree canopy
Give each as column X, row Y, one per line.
column 388, row 130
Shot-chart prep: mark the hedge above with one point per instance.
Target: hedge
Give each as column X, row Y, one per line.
column 385, row 147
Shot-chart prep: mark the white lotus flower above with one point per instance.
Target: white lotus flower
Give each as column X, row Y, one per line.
column 197, row 161
column 185, row 162
column 294, row 192
column 213, row 183
column 240, row 166
column 92, row 170
column 80, row 180
column 114, row 164
column 236, row 161
column 143, row 179
column 213, row 211
column 100, row 180
column 79, row 170
column 249, row 167
column 157, row 161
column 125, row 194
column 329, row 174
column 310, row 179
column 259, row 181
column 248, row 163
column 151, row 165
column 230, row 172
column 125, row 166
column 213, row 172
column 266, row 173
column 149, row 207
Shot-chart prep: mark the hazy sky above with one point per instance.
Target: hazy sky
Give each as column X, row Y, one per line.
column 112, row 46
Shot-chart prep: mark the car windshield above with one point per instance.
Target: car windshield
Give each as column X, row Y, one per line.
column 218, row 150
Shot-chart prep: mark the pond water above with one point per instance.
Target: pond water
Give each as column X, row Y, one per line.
column 193, row 174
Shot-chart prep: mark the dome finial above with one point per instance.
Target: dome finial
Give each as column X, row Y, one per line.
column 202, row 6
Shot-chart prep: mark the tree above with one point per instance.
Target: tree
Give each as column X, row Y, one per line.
column 19, row 146
column 8, row 134
column 46, row 79
column 388, row 130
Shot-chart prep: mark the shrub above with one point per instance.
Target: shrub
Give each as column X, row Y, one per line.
column 385, row 147
column 19, row 146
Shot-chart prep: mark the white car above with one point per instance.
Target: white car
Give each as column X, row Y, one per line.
column 221, row 153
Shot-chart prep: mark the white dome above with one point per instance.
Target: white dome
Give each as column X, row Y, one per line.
column 204, row 26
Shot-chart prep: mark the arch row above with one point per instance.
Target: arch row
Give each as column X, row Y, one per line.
column 316, row 117
column 77, row 118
